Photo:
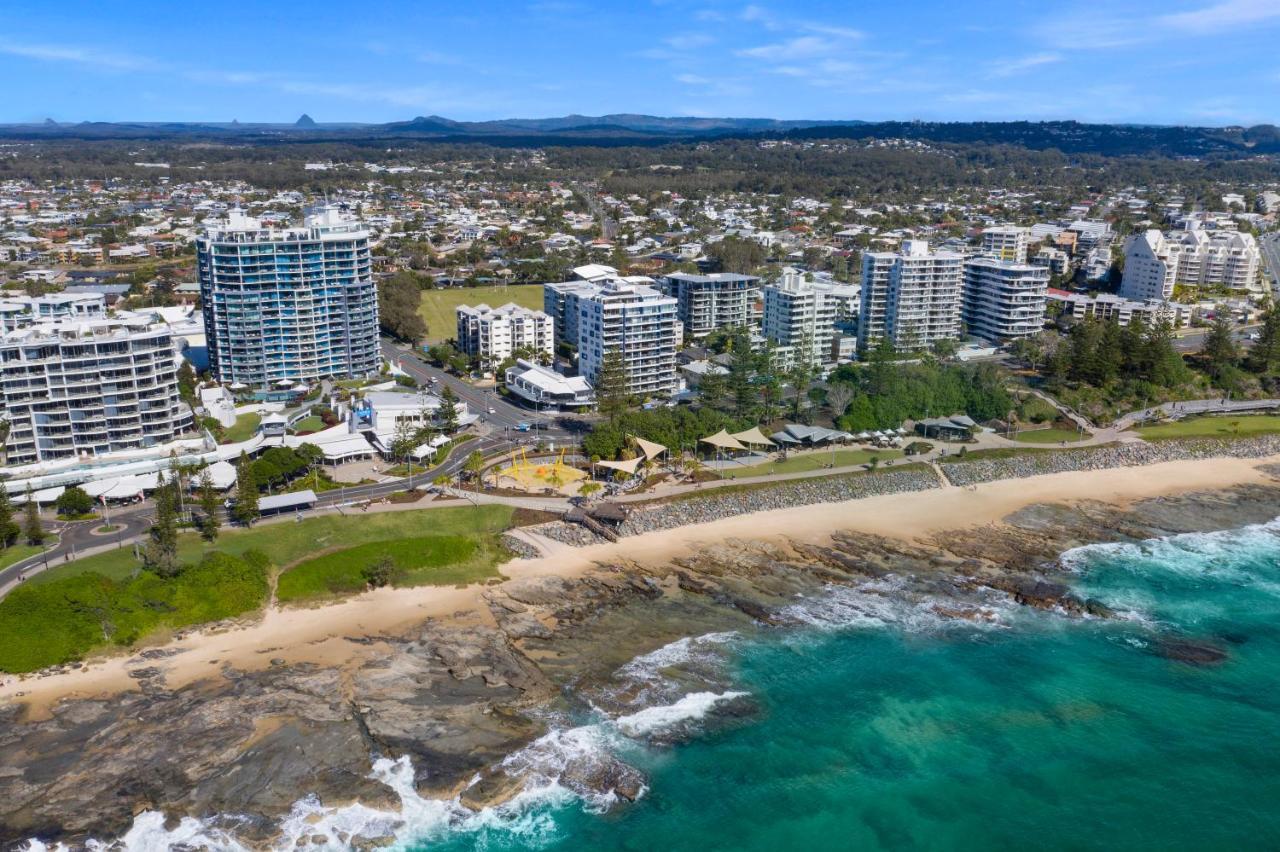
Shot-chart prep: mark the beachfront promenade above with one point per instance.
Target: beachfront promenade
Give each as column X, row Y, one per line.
column 1114, row 446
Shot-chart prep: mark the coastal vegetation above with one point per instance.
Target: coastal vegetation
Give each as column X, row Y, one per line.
column 64, row 618
column 111, row 599
column 885, row 392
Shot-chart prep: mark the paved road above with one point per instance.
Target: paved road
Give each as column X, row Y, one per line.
column 1270, row 245
column 506, row 414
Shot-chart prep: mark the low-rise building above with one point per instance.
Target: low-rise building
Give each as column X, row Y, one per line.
column 541, row 386
column 1107, row 306
column 495, row 334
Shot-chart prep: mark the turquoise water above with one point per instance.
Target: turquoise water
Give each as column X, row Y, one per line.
column 884, row 728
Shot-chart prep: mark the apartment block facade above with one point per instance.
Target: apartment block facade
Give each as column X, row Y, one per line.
column 1006, row 242
column 799, row 319
column 912, row 297
column 495, row 334
column 1155, row 262
column 706, row 303
column 1003, row 300
column 89, row 387
column 289, row 304
column 640, row 323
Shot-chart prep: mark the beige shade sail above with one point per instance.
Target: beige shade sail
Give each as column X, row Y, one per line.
column 753, row 437
column 650, row 449
column 724, row 441
column 628, row 466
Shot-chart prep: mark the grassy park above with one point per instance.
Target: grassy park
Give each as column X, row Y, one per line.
column 1226, row 426
column 1049, row 436
column 438, row 306
column 802, row 462
column 107, row 600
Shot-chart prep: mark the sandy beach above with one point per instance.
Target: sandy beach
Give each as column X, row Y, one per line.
column 336, row 635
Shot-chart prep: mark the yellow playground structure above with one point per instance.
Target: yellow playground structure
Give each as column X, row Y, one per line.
column 538, row 474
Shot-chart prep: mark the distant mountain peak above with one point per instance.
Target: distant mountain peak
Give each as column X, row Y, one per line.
column 49, row 122
column 305, row 121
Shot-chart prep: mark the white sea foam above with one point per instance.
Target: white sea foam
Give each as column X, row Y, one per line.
column 890, row 602
column 654, row 720
column 555, row 770
column 1222, row 552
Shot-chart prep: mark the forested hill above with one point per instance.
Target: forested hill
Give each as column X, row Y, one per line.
column 1067, row 136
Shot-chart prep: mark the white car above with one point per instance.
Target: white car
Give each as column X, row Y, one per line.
column 493, row 410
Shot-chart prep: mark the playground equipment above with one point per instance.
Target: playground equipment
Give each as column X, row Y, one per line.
column 536, row 474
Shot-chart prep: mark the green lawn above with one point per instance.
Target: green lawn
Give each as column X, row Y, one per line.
column 308, row 424
column 17, row 553
column 1049, row 436
column 799, row 463
column 1215, row 427
column 245, row 426
column 62, row 620
column 430, row 560
column 103, row 600
column 438, row 307
column 288, row 542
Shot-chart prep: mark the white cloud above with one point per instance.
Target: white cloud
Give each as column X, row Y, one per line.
column 1222, row 16
column 79, row 56
column 1011, row 67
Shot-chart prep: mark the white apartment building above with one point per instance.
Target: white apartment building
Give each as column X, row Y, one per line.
column 1006, row 242
column 17, row 311
column 1055, row 260
column 289, row 304
column 1004, row 300
column 638, row 321
column 495, row 334
column 88, row 388
column 1154, row 263
column 560, row 302
column 912, row 297
column 706, row 303
column 1107, row 306
column 799, row 318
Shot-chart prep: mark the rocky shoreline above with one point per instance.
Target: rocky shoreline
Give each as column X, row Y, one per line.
column 461, row 696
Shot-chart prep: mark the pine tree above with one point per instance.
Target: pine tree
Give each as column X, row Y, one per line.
column 31, row 527
column 611, row 386
column 9, row 529
column 211, row 523
column 448, row 414
column 1220, row 349
column 161, row 553
column 1264, row 357
column 246, row 507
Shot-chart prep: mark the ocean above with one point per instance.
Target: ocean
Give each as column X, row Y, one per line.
column 874, row 723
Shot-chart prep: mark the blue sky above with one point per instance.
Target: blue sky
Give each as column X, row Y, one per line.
column 1174, row 61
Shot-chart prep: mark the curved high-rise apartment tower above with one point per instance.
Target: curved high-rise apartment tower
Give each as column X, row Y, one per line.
column 288, row 303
